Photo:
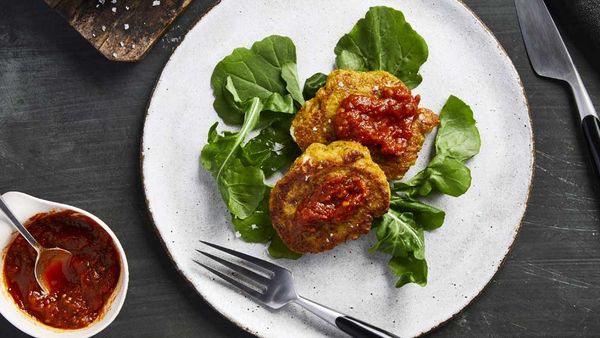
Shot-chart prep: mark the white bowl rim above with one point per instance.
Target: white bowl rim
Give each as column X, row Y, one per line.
column 25, row 322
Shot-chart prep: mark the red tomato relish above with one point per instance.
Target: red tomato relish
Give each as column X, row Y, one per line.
column 382, row 120
column 333, row 201
column 81, row 290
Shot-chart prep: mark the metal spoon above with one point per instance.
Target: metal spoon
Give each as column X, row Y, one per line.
column 45, row 256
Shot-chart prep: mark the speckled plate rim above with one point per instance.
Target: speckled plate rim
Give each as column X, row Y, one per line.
column 518, row 226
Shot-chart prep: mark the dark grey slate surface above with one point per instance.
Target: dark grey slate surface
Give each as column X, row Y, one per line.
column 70, row 123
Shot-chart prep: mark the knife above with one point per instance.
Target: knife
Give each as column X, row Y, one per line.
column 550, row 58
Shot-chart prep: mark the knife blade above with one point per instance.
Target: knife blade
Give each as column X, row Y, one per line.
column 550, row 58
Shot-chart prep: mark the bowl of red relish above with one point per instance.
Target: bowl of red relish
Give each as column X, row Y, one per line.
column 87, row 293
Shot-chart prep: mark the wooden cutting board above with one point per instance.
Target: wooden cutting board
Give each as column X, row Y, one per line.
column 122, row 30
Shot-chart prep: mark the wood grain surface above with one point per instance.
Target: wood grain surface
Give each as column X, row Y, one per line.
column 70, row 125
column 122, row 30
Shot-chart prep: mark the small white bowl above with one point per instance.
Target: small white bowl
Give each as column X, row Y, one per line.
column 25, row 206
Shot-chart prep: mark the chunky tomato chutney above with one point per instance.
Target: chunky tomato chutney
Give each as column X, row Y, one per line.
column 333, row 201
column 82, row 288
column 383, row 119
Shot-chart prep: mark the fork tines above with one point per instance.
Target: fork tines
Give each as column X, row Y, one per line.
column 247, row 289
column 259, row 279
column 256, row 261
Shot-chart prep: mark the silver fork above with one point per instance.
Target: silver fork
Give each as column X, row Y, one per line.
column 275, row 289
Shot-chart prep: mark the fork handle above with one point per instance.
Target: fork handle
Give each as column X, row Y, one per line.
column 357, row 328
column 351, row 326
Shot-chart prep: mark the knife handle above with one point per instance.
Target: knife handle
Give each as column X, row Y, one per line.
column 591, row 130
column 589, row 119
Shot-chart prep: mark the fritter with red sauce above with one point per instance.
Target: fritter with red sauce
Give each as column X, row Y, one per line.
column 330, row 194
column 373, row 108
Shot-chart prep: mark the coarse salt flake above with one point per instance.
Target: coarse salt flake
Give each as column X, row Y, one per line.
column 103, row 28
column 122, row 44
column 254, row 226
column 126, row 26
column 126, row 8
column 155, row 3
column 114, row 9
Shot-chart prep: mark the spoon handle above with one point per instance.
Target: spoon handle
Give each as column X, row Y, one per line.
column 22, row 230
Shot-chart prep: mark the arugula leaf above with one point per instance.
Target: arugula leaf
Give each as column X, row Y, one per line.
column 279, row 104
column 457, row 141
column 409, row 270
column 277, row 249
column 349, row 60
column 255, row 72
column 313, row 84
column 401, row 237
column 241, row 187
column 253, row 87
column 383, row 40
column 442, row 174
column 274, row 103
column 272, row 149
column 212, row 157
column 457, row 136
column 426, row 216
column 289, row 73
column 398, row 235
column 257, row 227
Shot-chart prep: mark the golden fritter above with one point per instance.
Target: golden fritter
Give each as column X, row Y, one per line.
column 330, row 194
column 373, row 108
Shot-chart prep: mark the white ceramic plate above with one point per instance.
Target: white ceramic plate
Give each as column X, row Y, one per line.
column 465, row 60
